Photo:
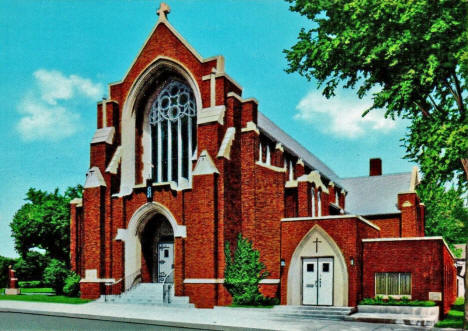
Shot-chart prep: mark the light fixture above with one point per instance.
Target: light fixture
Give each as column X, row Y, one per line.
column 352, row 261
column 282, row 263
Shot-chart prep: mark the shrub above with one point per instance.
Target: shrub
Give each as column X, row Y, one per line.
column 55, row 275
column 31, row 267
column 30, row 284
column 243, row 273
column 405, row 301
column 72, row 285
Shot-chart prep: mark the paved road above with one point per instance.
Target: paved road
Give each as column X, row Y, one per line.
column 19, row 321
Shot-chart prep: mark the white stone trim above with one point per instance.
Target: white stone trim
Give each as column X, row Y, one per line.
column 414, row 181
column 222, row 280
column 205, row 165
column 238, row 97
column 271, row 167
column 300, row 162
column 251, row 126
column 104, row 135
column 94, row 178
column 91, row 277
column 203, row 280
column 225, row 148
column 211, row 114
column 308, row 218
column 115, row 161
column 314, row 178
column 411, row 239
column 279, row 146
column 291, row 183
column 77, row 201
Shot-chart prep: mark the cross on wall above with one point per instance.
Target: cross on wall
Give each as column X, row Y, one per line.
column 316, row 242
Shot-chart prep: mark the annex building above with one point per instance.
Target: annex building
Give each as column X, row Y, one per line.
column 181, row 163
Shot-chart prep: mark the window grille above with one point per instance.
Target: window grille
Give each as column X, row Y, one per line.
column 393, row 283
column 174, row 133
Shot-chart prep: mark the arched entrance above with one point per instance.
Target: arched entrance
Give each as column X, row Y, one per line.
column 317, row 274
column 157, row 244
column 146, row 214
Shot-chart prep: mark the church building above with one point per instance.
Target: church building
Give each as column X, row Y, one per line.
column 181, row 163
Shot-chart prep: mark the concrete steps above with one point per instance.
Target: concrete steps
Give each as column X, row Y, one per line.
column 312, row 312
column 419, row 316
column 147, row 294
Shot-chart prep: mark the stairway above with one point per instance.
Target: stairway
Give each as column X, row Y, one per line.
column 313, row 312
column 147, row 294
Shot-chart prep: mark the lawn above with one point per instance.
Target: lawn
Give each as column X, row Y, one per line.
column 46, row 297
column 454, row 318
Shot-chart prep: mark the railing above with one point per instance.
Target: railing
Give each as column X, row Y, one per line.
column 118, row 287
column 167, row 286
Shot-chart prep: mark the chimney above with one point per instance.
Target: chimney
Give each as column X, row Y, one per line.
column 375, row 167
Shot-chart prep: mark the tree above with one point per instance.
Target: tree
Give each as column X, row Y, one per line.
column 446, row 214
column 412, row 56
column 243, row 273
column 44, row 222
column 55, row 275
column 31, row 267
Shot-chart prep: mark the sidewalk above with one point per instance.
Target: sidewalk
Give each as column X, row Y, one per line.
column 209, row 319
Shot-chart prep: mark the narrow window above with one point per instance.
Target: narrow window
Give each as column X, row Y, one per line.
column 312, row 202
column 319, row 203
column 268, row 157
column 291, row 171
column 260, row 153
column 393, row 283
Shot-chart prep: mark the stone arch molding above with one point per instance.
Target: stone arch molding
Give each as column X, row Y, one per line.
column 306, row 248
column 130, row 236
column 129, row 119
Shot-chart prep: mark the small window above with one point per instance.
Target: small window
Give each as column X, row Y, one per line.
column 326, row 267
column 310, row 267
column 166, row 253
column 393, row 283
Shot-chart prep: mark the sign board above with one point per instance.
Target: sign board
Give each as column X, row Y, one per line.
column 435, row 296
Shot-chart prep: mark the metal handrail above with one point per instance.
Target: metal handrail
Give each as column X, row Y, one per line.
column 112, row 288
column 167, row 288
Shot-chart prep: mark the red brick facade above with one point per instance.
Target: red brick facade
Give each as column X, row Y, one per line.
column 268, row 195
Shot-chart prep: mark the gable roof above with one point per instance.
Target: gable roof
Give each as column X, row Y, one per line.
column 274, row 132
column 374, row 195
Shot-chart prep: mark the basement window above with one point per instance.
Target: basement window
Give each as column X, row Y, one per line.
column 395, row 284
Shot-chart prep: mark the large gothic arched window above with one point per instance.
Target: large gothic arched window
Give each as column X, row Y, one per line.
column 173, row 130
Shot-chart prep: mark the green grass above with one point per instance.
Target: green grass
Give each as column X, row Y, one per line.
column 33, row 290
column 454, row 318
column 44, row 298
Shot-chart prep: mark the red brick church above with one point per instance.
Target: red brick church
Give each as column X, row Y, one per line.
column 181, row 163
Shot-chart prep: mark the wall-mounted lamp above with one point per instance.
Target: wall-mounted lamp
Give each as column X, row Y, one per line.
column 352, row 261
column 282, row 263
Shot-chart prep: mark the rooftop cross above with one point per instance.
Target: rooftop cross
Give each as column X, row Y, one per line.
column 163, row 10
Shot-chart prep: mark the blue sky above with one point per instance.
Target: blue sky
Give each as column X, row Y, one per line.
column 57, row 57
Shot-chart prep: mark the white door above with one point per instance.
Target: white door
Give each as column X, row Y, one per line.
column 309, row 281
column 317, row 281
column 325, row 282
column 166, row 261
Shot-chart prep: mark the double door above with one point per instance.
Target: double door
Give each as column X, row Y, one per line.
column 166, row 261
column 317, row 281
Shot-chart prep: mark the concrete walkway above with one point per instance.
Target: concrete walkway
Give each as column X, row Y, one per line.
column 209, row 319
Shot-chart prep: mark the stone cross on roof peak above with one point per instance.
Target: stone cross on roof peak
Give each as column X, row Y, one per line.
column 163, row 10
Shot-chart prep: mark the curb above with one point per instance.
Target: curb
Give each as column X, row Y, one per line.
column 185, row 325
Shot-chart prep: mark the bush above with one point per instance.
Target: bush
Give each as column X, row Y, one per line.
column 32, row 266
column 72, row 285
column 55, row 275
column 405, row 301
column 243, row 273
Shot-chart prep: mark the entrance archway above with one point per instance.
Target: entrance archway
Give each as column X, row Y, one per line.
column 132, row 242
column 157, row 244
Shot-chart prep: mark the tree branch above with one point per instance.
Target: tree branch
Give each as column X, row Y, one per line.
column 433, row 103
column 461, row 106
column 425, row 113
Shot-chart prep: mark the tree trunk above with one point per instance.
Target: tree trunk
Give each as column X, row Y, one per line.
column 464, row 162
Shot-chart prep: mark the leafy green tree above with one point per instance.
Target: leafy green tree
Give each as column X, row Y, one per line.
column 32, row 266
column 446, row 214
column 412, row 56
column 243, row 273
column 44, row 222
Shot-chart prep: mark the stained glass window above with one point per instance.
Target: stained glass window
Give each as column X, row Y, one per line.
column 393, row 283
column 173, row 122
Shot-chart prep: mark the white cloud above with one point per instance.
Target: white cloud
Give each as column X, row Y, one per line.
column 47, row 108
column 341, row 115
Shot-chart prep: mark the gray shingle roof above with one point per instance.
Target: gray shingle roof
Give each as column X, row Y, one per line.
column 274, row 132
column 375, row 195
